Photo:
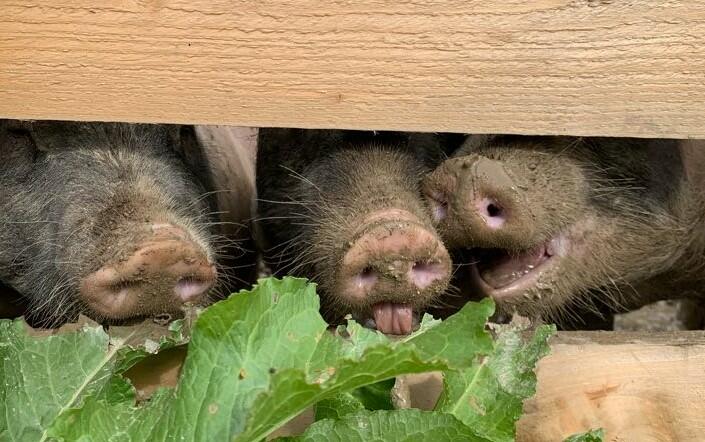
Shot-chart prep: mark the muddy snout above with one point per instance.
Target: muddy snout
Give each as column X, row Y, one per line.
column 166, row 270
column 475, row 198
column 393, row 267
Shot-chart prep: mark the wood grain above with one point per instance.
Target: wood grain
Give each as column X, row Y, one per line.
column 638, row 388
column 582, row 67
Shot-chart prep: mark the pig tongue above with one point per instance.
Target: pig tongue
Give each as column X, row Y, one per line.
column 393, row 319
column 503, row 269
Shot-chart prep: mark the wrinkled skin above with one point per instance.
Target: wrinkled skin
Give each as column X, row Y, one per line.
column 108, row 220
column 343, row 208
column 554, row 226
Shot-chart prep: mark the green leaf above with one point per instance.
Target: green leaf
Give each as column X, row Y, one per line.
column 95, row 421
column 458, row 337
column 376, row 396
column 370, row 397
column 144, row 339
column 46, row 375
column 336, row 407
column 590, row 436
column 261, row 357
column 408, row 425
column 43, row 377
column 488, row 396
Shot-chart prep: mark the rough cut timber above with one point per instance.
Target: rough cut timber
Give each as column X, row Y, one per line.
column 583, row 67
column 646, row 387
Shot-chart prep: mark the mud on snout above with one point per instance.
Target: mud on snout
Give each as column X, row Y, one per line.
column 511, row 216
column 155, row 276
column 393, row 267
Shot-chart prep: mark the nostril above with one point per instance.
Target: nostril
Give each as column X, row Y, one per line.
column 423, row 274
column 492, row 212
column 190, row 288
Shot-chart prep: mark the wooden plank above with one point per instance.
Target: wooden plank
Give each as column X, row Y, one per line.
column 584, row 67
column 638, row 387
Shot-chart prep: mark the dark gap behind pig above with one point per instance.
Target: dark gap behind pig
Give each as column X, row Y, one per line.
column 107, row 220
column 344, row 209
column 554, row 227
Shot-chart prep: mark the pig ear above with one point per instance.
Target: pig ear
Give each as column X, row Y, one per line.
column 49, row 136
column 184, row 142
column 229, row 155
column 17, row 145
column 426, row 146
column 52, row 136
column 442, row 144
column 474, row 142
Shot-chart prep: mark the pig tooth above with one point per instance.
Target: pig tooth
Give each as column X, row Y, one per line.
column 530, row 266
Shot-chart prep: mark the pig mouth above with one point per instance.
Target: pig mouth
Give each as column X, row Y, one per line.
column 504, row 274
column 392, row 319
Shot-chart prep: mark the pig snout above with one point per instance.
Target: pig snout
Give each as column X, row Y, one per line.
column 486, row 213
column 394, row 266
column 166, row 270
column 475, row 198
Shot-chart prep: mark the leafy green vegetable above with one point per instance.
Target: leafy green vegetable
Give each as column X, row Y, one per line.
column 257, row 360
column 145, row 339
column 408, row 425
column 488, row 395
column 338, row 406
column 370, row 397
column 43, row 377
column 590, row 436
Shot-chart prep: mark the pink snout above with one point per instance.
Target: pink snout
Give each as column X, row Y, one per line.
column 165, row 271
column 396, row 260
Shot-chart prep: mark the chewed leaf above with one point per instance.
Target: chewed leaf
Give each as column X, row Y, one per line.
column 488, row 396
column 261, row 357
column 255, row 361
column 43, row 377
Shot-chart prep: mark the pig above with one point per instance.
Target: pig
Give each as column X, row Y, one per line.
column 109, row 220
column 551, row 226
column 344, row 209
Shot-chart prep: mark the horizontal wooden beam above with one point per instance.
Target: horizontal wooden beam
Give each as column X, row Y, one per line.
column 582, row 67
